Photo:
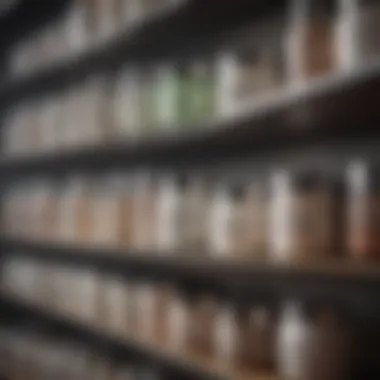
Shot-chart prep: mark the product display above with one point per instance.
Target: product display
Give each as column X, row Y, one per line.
column 101, row 110
column 177, row 202
column 295, row 217
column 136, row 100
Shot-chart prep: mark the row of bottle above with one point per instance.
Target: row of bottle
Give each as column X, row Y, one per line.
column 292, row 217
column 164, row 95
column 84, row 24
column 246, row 338
column 29, row 355
column 319, row 35
column 105, row 109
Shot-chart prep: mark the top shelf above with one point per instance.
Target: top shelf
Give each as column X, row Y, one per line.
column 193, row 28
column 338, row 106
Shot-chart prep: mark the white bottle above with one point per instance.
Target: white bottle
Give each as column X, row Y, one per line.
column 293, row 344
column 280, row 242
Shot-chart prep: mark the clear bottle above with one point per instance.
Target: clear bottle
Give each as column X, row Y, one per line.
column 294, row 339
column 358, row 31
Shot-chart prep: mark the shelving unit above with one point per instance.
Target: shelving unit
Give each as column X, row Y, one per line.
column 340, row 107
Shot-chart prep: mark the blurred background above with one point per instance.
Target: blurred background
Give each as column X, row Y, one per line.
column 190, row 189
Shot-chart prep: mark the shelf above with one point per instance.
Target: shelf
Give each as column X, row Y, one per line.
column 337, row 107
column 152, row 349
column 170, row 34
column 238, row 280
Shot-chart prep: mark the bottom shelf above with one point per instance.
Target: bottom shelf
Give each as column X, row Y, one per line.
column 153, row 349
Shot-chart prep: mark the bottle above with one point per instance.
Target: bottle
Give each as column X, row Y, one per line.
column 363, row 212
column 293, row 342
column 310, row 40
column 303, row 217
column 358, row 31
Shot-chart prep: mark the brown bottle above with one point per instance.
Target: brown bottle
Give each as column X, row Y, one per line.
column 202, row 319
column 330, row 348
column 311, row 39
column 256, row 331
column 303, row 218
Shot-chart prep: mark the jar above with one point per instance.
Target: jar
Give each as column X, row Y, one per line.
column 363, row 242
column 95, row 110
column 303, row 222
column 250, row 72
column 126, row 103
column 255, row 339
column 310, row 40
column 114, row 304
column 16, row 211
column 125, row 213
column 76, row 32
column 76, row 212
column 178, row 322
column 71, row 108
column 47, row 125
column 219, row 243
column 201, row 90
column 248, row 228
column 168, row 203
column 193, row 214
column 358, row 32
column 166, row 93
column 133, row 311
column 331, row 347
column 51, row 213
column 294, row 343
column 148, row 108
column 314, row 347
column 88, row 296
column 226, row 336
column 239, row 222
column 12, row 133
column 201, row 328
column 144, row 213
column 163, row 298
column 42, row 212
column 146, row 298
column 107, row 204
